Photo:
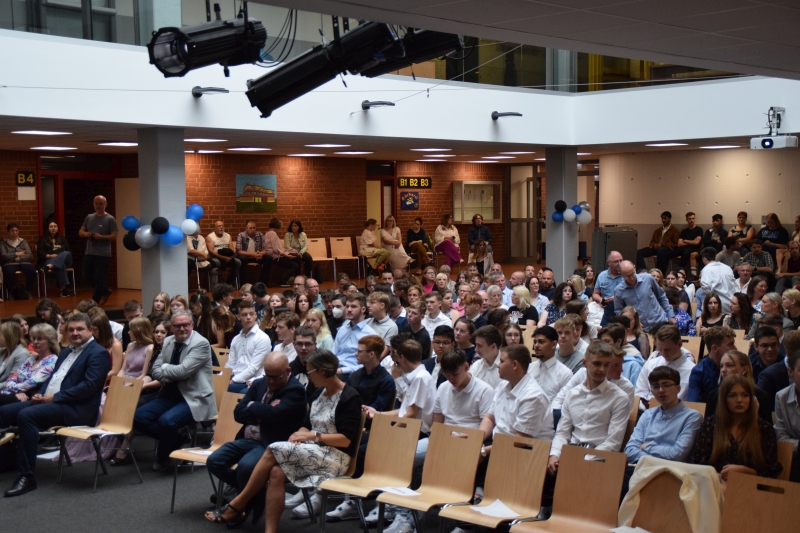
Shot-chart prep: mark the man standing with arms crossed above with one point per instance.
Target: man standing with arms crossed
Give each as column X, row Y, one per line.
column 100, row 228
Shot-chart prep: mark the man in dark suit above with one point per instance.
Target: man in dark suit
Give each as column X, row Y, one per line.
column 70, row 397
column 444, row 340
column 273, row 408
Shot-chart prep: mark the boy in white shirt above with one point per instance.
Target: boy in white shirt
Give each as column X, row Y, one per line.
column 668, row 352
column 462, row 400
column 570, row 345
column 487, row 347
column 285, row 324
column 435, row 317
column 614, row 376
column 248, row 350
column 549, row 373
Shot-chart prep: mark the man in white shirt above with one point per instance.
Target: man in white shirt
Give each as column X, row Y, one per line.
column 435, row 318
column 668, row 352
column 384, row 326
column 520, row 406
column 248, row 350
column 487, row 347
column 745, row 271
column 595, row 413
column 614, row 376
column 718, row 278
column 285, row 324
column 570, row 345
column 549, row 373
column 462, row 400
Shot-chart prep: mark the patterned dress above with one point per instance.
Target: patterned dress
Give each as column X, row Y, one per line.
column 309, row 464
column 30, row 375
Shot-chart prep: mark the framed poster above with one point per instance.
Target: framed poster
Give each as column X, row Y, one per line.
column 409, row 201
column 256, row 193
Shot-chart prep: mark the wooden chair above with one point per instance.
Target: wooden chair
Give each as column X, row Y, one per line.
column 318, row 251
column 116, row 420
column 527, row 336
column 389, row 462
column 342, row 250
column 599, row 481
column 222, row 355
column 448, row 475
column 515, row 476
column 221, row 378
column 70, row 275
column 225, row 431
column 760, row 505
column 661, row 509
column 740, row 333
column 8, row 285
column 785, row 455
column 742, row 345
column 632, row 419
column 693, row 345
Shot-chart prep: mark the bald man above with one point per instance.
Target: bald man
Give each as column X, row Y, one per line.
column 605, row 285
column 273, row 408
column 223, row 249
column 642, row 292
column 100, row 230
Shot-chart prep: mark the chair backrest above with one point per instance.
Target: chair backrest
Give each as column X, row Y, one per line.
column 785, row 456
column 742, row 345
column 589, row 472
column 740, row 333
column 693, row 345
column 760, row 505
column 317, row 249
column 221, row 378
column 351, row 468
column 452, row 460
column 516, row 472
column 341, row 247
column 661, row 509
column 121, row 399
column 227, row 428
column 631, row 421
column 391, row 448
column 527, row 336
column 222, row 359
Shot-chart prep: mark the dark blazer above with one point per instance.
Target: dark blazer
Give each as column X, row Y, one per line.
column 771, row 380
column 276, row 423
column 429, row 363
column 82, row 387
column 401, row 322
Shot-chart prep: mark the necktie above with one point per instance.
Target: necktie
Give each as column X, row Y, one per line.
column 176, row 353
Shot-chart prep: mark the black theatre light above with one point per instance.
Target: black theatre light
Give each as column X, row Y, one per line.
column 176, row 51
column 416, row 47
column 359, row 49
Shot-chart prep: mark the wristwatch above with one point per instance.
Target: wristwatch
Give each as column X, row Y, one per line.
column 317, row 436
column 483, row 451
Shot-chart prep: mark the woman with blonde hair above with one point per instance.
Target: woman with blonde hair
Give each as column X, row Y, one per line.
column 160, row 304
column 315, row 319
column 791, row 304
column 482, row 257
column 521, row 310
column 638, row 338
column 495, row 294
column 13, row 350
column 178, row 303
column 579, row 286
column 735, row 438
column 268, row 322
column 390, row 239
column 35, row 369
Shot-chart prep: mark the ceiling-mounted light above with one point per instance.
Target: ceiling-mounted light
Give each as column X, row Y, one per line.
column 439, row 155
column 481, row 161
column 327, row 146
column 516, row 153
column 431, row 160
column 431, row 149
column 53, row 148
column 496, row 115
column 666, row 144
column 353, row 152
column 119, row 144
column 198, row 91
column 39, row 132
column 209, row 151
column 306, row 155
column 499, row 157
column 720, row 146
column 366, row 104
column 248, row 149
column 200, row 140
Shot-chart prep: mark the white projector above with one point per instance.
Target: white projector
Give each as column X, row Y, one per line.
column 773, row 141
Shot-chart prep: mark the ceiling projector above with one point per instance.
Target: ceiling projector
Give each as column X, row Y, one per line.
column 773, row 141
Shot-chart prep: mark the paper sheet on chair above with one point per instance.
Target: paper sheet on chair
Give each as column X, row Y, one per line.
column 202, row 452
column 400, row 491
column 626, row 529
column 94, row 431
column 496, row 509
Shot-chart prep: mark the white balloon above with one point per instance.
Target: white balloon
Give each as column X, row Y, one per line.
column 585, row 217
column 189, row 227
column 145, row 237
column 569, row 215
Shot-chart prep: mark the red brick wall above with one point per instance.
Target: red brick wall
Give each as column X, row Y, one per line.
column 26, row 213
column 438, row 200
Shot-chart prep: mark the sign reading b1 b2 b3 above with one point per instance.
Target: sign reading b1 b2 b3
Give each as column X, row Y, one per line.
column 25, row 179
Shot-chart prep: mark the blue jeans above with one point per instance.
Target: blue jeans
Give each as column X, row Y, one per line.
column 60, row 264
column 238, row 388
column 245, row 452
column 162, row 419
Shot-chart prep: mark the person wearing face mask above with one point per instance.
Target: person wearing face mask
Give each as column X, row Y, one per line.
column 334, row 310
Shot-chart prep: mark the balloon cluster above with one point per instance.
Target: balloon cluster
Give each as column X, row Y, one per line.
column 147, row 236
column 580, row 212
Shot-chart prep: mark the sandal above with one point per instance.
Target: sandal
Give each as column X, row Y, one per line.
column 218, row 516
column 120, row 461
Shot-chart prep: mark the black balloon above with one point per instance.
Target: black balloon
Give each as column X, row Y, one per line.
column 129, row 241
column 561, row 206
column 159, row 225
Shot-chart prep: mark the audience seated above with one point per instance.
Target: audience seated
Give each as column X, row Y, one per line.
column 434, row 317
column 276, row 254
column 614, row 334
column 221, row 247
column 546, row 369
column 761, row 261
column 355, row 326
column 251, row 249
column 557, row 307
column 614, row 376
column 446, row 240
column 369, row 246
column 735, row 362
column 773, row 236
column 55, row 256
column 464, row 330
column 789, row 268
column 669, row 352
column 198, row 256
column 418, row 243
column 487, row 346
column 787, row 414
column 735, row 438
column 704, row 377
column 26, row 378
column 571, row 348
column 16, row 255
column 546, row 283
column 767, row 348
column 443, row 342
column 13, row 350
column 296, row 243
column 248, row 350
column 380, row 321
column 662, row 245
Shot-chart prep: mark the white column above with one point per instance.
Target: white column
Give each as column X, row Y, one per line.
column 562, row 184
column 162, row 192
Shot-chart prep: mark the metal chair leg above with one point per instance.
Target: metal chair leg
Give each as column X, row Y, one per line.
column 323, row 508
column 381, row 509
column 416, row 520
column 174, row 487
column 360, row 509
column 61, row 450
column 133, row 457
column 307, row 497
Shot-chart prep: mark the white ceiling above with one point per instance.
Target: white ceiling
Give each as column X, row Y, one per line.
column 744, row 36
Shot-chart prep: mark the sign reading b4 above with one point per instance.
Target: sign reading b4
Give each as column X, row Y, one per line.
column 26, row 179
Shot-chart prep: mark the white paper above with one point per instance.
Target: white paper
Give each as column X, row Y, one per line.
column 496, row 509
column 627, row 529
column 48, row 455
column 94, row 431
column 203, row 452
column 400, row 491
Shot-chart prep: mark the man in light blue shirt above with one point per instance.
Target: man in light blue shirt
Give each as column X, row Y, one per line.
column 351, row 331
column 605, row 285
column 668, row 431
column 642, row 292
column 312, row 291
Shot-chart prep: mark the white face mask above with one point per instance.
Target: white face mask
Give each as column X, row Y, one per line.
column 337, row 312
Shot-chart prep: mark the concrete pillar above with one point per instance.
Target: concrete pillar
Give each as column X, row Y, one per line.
column 562, row 184
column 162, row 192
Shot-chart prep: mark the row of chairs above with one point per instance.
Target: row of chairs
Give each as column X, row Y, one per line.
column 41, row 283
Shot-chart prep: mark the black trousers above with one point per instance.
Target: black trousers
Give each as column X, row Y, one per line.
column 95, row 270
column 30, row 419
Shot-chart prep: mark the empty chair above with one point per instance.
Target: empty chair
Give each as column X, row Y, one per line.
column 221, row 377
column 342, row 250
column 319, row 253
column 515, row 476
column 661, row 509
column 693, row 345
column 756, row 504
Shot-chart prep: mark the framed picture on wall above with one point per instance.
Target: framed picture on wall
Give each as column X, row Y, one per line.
column 409, row 201
column 256, row 193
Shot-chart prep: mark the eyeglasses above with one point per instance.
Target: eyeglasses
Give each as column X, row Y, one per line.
column 299, row 284
column 769, row 346
column 662, row 386
column 182, row 326
column 274, row 378
column 442, row 343
column 304, row 344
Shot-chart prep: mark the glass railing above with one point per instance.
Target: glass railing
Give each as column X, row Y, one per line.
column 484, row 61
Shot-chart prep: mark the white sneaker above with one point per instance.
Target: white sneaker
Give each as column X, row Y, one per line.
column 302, row 512
column 398, row 523
column 372, row 518
column 293, row 500
column 346, row 511
column 406, row 527
column 458, row 530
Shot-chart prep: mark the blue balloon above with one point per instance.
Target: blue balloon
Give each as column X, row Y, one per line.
column 131, row 223
column 173, row 236
column 195, row 212
column 558, row 217
column 577, row 209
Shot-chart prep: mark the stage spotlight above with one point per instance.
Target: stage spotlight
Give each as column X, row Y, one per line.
column 416, row 47
column 176, row 51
